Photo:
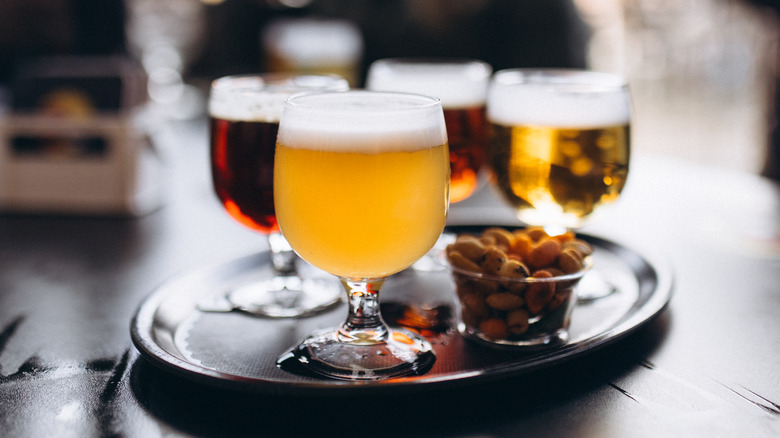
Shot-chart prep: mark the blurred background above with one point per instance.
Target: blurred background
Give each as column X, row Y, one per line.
column 691, row 65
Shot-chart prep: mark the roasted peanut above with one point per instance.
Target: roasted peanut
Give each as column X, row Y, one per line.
column 522, row 245
column 513, row 268
column 517, row 321
column 488, row 240
column 570, row 261
column 459, row 261
column 504, row 301
column 538, row 295
column 580, row 246
column 545, row 253
column 502, row 236
column 475, row 304
column 484, row 286
column 536, row 233
column 471, row 247
column 492, row 260
column 564, row 237
column 555, row 272
column 494, row 328
column 559, row 298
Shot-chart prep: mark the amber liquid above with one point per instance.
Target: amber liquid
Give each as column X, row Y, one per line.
column 242, row 170
column 467, row 134
column 555, row 176
column 362, row 215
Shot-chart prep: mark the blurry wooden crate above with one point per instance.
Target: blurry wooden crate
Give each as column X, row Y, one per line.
column 70, row 141
column 98, row 165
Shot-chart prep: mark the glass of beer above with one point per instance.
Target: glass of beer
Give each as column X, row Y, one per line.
column 244, row 116
column 361, row 183
column 461, row 85
column 559, row 146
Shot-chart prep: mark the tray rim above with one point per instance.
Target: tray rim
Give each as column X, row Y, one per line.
column 143, row 337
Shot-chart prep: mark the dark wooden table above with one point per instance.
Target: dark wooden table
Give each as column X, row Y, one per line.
column 709, row 365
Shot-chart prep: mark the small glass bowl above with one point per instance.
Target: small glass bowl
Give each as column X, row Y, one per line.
column 516, row 312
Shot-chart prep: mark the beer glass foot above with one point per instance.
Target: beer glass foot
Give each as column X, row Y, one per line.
column 286, row 297
column 404, row 353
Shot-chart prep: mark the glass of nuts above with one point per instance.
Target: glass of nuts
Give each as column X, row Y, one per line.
column 515, row 288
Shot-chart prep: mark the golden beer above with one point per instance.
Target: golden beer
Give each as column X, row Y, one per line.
column 558, row 175
column 559, row 143
column 358, row 214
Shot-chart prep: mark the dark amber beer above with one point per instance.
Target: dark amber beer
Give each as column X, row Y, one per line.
column 461, row 85
column 242, row 166
column 467, row 131
column 244, row 116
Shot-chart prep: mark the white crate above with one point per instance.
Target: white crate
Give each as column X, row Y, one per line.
column 124, row 179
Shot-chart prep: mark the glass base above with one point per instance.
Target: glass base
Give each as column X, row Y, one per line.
column 286, row 297
column 540, row 341
column 405, row 353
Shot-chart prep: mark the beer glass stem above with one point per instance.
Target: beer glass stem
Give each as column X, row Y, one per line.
column 364, row 324
column 282, row 255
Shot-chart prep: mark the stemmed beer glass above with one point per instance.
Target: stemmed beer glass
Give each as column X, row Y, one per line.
column 244, row 113
column 559, row 148
column 361, row 184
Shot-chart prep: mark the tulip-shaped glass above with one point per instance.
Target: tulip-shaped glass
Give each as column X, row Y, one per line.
column 361, row 185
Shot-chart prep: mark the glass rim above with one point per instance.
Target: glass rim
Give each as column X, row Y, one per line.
column 299, row 101
column 435, row 61
column 275, row 81
column 551, row 77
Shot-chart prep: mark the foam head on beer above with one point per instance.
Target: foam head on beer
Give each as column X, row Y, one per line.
column 363, row 121
column 260, row 98
column 564, row 101
column 457, row 83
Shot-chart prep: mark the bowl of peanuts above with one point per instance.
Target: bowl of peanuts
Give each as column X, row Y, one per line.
column 515, row 288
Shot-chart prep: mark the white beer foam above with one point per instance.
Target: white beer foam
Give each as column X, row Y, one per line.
column 255, row 99
column 457, row 86
column 569, row 108
column 363, row 126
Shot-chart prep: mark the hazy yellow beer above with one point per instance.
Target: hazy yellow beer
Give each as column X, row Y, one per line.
column 557, row 153
column 361, row 194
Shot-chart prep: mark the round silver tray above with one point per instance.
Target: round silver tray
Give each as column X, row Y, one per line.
column 240, row 351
